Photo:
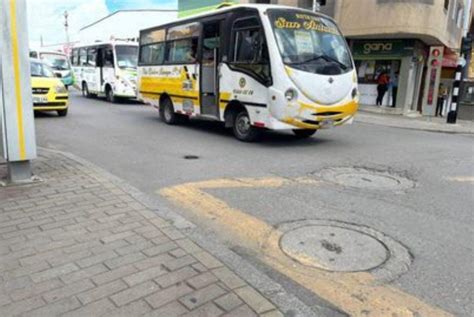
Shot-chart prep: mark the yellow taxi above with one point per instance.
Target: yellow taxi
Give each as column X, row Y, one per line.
column 49, row 93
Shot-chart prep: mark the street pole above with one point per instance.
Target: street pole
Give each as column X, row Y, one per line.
column 461, row 69
column 316, row 6
column 66, row 28
column 17, row 138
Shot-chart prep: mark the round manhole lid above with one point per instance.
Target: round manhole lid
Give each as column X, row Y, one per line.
column 334, row 248
column 366, row 179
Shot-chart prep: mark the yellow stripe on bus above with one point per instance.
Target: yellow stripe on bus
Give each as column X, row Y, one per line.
column 16, row 71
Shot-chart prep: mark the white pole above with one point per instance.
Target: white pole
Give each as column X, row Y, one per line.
column 316, row 6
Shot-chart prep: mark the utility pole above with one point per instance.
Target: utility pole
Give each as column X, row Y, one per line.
column 463, row 65
column 66, row 28
column 17, row 131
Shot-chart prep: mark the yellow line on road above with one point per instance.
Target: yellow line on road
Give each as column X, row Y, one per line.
column 16, row 70
column 358, row 294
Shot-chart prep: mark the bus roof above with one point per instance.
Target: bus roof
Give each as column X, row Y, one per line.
column 111, row 42
column 260, row 7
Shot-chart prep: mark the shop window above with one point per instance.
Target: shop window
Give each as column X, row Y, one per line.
column 369, row 71
column 182, row 51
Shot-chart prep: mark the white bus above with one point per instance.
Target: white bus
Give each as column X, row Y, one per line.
column 58, row 62
column 253, row 67
column 106, row 69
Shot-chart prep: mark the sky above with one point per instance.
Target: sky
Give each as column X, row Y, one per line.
column 46, row 17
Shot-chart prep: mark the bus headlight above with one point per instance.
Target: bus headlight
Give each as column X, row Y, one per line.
column 291, row 94
column 60, row 89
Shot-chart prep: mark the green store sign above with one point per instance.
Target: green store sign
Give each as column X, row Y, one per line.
column 382, row 49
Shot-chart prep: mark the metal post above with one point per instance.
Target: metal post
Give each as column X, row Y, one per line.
column 452, row 114
column 18, row 143
column 316, row 6
column 461, row 70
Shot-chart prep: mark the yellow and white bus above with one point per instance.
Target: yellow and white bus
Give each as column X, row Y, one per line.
column 253, row 67
column 106, row 69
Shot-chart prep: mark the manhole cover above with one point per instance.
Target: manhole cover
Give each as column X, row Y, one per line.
column 334, row 248
column 366, row 179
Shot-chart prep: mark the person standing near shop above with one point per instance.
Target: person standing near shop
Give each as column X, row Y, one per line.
column 394, row 84
column 442, row 96
column 382, row 86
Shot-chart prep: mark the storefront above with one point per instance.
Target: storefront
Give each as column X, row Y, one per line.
column 402, row 60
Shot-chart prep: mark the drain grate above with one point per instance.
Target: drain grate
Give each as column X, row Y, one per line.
column 364, row 178
column 191, row 157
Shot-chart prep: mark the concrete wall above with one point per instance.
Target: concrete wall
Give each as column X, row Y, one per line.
column 423, row 19
column 125, row 24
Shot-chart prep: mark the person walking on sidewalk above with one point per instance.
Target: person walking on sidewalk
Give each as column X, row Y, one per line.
column 442, row 96
column 382, row 86
column 394, row 84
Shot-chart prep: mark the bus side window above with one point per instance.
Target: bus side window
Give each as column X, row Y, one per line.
column 108, row 57
column 82, row 57
column 91, row 56
column 250, row 53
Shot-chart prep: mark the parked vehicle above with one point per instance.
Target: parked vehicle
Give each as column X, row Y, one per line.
column 106, row 69
column 49, row 93
column 58, row 62
column 253, row 67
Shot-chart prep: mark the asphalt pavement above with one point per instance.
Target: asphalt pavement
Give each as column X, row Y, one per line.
column 409, row 192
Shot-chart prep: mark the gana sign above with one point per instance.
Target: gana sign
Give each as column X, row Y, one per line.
column 382, row 48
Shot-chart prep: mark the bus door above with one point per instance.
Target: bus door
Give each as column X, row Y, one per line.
column 209, row 81
column 105, row 65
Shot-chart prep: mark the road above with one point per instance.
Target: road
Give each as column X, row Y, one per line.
column 394, row 206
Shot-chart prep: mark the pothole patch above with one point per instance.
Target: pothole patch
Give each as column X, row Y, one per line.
column 365, row 178
column 334, row 248
column 338, row 246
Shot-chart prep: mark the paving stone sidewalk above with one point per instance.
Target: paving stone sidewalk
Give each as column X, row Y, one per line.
column 76, row 244
column 373, row 115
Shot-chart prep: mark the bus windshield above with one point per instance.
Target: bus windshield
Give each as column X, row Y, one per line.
column 127, row 56
column 55, row 61
column 310, row 42
column 40, row 70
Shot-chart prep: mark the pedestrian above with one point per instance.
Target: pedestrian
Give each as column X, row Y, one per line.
column 442, row 96
column 382, row 87
column 394, row 84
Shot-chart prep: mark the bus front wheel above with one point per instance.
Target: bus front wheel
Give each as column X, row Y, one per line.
column 305, row 133
column 243, row 129
column 167, row 114
column 110, row 96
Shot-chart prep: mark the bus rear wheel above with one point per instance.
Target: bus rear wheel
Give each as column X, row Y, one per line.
column 167, row 114
column 85, row 90
column 305, row 133
column 243, row 129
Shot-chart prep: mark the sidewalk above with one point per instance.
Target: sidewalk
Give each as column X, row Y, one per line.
column 78, row 244
column 382, row 116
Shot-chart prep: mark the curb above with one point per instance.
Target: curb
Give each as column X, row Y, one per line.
column 368, row 117
column 288, row 303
